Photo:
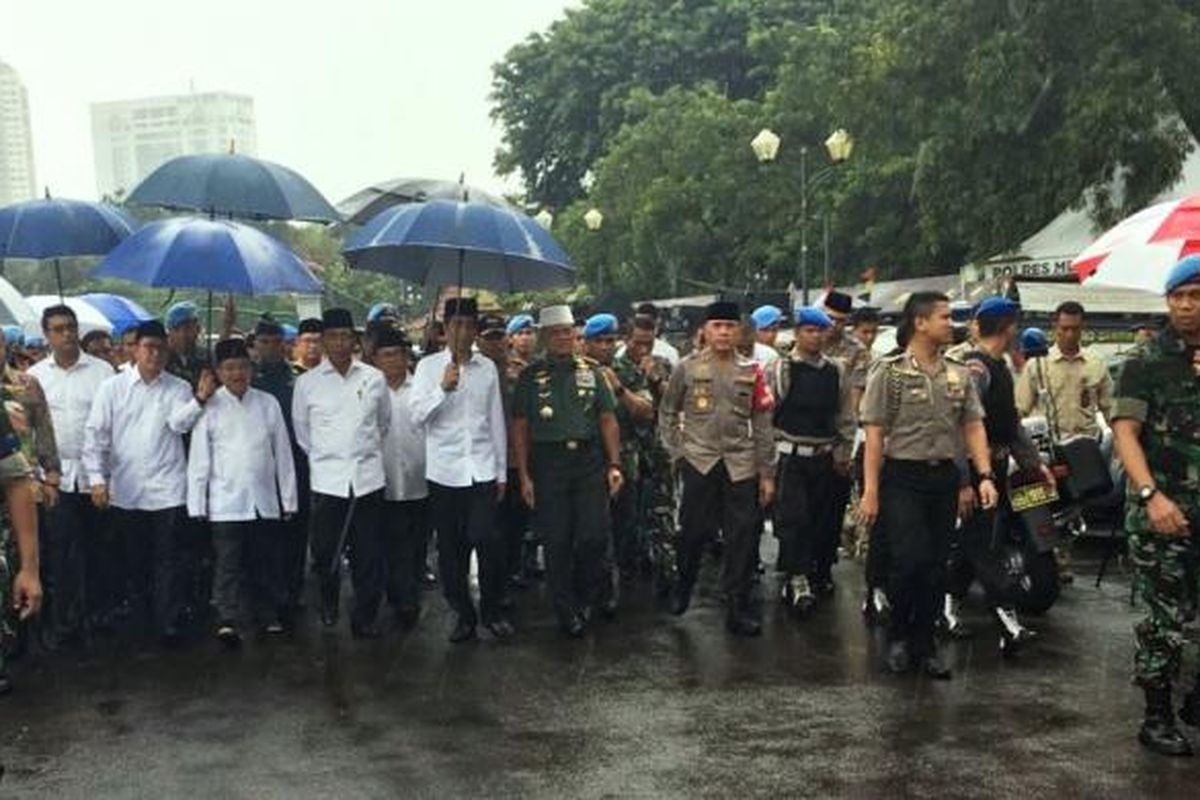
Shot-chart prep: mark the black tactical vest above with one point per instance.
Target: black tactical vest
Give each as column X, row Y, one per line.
column 998, row 401
column 811, row 405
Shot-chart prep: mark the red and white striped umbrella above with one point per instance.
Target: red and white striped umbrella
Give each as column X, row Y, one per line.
column 1140, row 250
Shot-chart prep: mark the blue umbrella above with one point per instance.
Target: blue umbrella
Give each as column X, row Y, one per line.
column 122, row 312
column 442, row 242
column 217, row 255
column 53, row 228
column 233, row 185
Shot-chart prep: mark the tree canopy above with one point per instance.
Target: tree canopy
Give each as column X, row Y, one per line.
column 975, row 123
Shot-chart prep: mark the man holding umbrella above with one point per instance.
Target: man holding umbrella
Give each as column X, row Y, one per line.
column 340, row 411
column 456, row 397
column 184, row 359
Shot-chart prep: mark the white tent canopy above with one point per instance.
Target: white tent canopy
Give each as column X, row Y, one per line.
column 1049, row 252
column 16, row 310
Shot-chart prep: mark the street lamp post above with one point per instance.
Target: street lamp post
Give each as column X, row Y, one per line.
column 838, row 145
column 593, row 220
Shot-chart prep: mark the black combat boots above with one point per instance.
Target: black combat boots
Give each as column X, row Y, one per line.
column 1159, row 732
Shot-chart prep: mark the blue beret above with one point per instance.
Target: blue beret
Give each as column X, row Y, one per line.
column 600, row 325
column 1186, row 271
column 35, row 340
column 997, row 307
column 181, row 314
column 519, row 322
column 1034, row 342
column 289, row 332
column 765, row 317
column 382, row 310
column 14, row 335
column 811, row 315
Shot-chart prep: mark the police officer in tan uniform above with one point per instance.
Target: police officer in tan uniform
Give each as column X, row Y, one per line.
column 917, row 410
column 715, row 421
column 843, row 346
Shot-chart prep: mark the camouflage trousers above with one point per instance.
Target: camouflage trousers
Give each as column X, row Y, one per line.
column 8, row 621
column 659, row 512
column 1165, row 582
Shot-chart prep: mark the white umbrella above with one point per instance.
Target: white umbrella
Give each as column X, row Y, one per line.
column 16, row 310
column 89, row 318
column 1139, row 251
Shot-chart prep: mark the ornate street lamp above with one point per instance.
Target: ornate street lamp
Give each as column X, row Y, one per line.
column 839, row 145
column 544, row 218
column 593, row 220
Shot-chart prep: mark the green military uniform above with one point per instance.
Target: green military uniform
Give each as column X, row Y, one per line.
column 626, row 530
column 13, row 467
column 562, row 400
column 187, row 367
column 1158, row 386
column 657, row 486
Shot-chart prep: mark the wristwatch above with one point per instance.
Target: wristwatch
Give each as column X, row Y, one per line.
column 987, row 476
column 1145, row 493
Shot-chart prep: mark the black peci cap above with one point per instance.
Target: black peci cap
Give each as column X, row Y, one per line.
column 723, row 310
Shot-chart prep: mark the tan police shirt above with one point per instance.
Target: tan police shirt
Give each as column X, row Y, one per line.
column 716, row 410
column 1078, row 386
column 922, row 413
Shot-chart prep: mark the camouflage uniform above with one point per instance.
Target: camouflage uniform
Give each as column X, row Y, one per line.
column 657, row 485
column 627, row 540
column 856, row 362
column 14, row 467
column 1158, row 386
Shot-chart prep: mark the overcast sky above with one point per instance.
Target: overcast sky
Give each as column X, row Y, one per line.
column 347, row 92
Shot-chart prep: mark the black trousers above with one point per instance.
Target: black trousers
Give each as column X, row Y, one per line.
column 364, row 539
column 295, row 534
column 710, row 503
column 825, row 557
column 406, row 524
column 802, row 511
column 248, row 574
column 465, row 518
column 571, row 518
column 152, row 562
column 918, row 507
column 66, row 529
column 514, row 524
column 975, row 553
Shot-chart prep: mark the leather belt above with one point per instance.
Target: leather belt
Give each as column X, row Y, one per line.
column 803, row 450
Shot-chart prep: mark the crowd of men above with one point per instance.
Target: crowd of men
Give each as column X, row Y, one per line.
column 177, row 487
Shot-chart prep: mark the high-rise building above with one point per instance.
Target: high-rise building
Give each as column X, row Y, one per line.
column 131, row 138
column 16, row 141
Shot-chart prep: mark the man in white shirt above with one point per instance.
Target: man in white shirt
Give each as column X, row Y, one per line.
column 241, row 478
column 134, row 458
column 74, row 542
column 340, row 412
column 407, row 494
column 456, row 396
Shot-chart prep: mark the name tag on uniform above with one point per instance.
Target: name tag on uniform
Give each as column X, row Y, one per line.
column 585, row 379
column 954, row 385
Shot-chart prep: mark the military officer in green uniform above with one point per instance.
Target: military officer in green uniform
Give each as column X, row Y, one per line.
column 20, row 584
column 656, row 476
column 567, row 444
column 715, row 420
column 1156, row 424
column 635, row 409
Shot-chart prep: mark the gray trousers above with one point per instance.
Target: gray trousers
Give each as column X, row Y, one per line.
column 249, row 569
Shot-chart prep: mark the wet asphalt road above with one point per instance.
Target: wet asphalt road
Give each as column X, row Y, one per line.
column 650, row 706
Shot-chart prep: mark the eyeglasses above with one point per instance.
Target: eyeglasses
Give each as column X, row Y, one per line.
column 66, row 327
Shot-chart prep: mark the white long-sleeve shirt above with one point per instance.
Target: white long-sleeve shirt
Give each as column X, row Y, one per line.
column 133, row 440
column 465, row 437
column 70, row 393
column 340, row 422
column 240, row 465
column 404, row 449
